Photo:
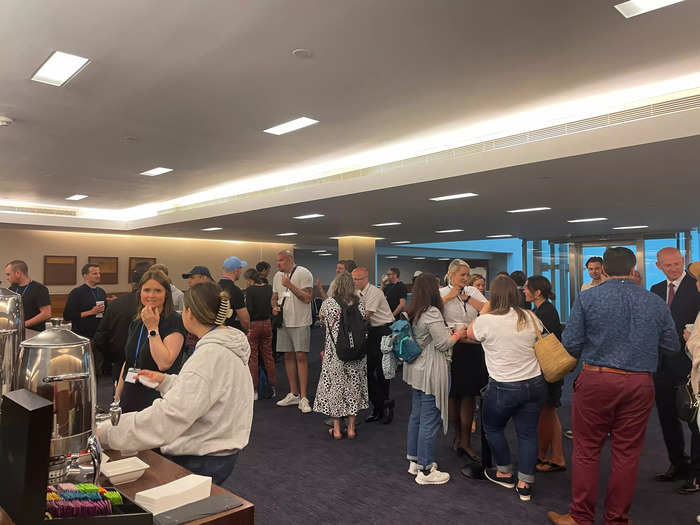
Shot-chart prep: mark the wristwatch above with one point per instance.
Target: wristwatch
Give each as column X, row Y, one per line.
column 153, row 333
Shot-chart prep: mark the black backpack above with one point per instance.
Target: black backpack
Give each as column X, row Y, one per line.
column 351, row 344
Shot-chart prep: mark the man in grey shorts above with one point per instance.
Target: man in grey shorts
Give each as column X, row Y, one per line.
column 292, row 289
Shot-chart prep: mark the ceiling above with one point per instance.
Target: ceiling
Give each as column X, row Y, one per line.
column 654, row 184
column 194, row 83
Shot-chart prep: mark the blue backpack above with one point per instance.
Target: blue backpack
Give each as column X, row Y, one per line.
column 406, row 349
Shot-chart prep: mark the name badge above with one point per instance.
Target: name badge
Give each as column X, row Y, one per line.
column 287, row 294
column 131, row 375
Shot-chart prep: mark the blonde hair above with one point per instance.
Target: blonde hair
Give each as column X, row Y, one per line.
column 475, row 277
column 208, row 303
column 453, row 267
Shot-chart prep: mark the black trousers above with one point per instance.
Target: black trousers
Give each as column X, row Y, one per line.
column 377, row 385
column 672, row 427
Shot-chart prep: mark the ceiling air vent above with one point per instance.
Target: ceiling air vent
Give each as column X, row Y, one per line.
column 586, row 124
column 513, row 140
column 547, row 133
column 629, row 115
column 39, row 211
column 680, row 104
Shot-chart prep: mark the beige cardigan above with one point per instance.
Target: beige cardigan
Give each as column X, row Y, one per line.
column 693, row 346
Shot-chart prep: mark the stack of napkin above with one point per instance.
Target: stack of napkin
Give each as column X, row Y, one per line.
column 175, row 494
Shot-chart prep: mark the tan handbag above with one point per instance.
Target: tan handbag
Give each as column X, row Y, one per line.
column 554, row 360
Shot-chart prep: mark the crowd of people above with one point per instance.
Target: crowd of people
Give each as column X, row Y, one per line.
column 188, row 363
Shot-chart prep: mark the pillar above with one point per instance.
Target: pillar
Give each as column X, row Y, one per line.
column 360, row 250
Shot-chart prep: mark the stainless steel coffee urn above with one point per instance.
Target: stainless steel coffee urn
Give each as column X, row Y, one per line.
column 58, row 365
column 11, row 335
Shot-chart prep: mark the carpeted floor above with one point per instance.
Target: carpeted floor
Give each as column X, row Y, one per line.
column 294, row 474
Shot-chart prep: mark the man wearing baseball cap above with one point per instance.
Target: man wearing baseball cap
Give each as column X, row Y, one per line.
column 232, row 271
column 196, row 275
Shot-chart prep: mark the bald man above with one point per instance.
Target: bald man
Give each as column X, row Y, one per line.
column 680, row 293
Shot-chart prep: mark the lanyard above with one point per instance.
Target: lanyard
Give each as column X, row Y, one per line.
column 138, row 345
column 92, row 292
column 25, row 288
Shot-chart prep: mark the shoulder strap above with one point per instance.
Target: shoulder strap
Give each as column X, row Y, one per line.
column 534, row 325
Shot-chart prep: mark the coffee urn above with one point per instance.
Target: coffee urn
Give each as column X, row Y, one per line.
column 11, row 335
column 58, row 365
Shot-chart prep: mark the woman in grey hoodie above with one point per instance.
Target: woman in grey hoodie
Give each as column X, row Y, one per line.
column 205, row 414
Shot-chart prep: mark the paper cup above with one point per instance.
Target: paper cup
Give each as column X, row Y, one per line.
column 689, row 327
column 101, row 314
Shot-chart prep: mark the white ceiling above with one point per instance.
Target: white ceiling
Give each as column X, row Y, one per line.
column 195, row 82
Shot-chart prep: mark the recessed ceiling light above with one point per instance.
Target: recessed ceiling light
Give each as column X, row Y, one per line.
column 629, row 227
column 379, row 238
column 443, row 259
column 59, row 68
column 418, row 258
column 302, row 53
column 500, row 236
column 401, row 242
column 76, row 197
column 594, row 219
column 335, row 238
column 387, row 224
column 290, row 126
column 288, row 234
column 319, row 251
column 639, row 7
column 392, row 256
column 451, row 197
column 324, row 254
column 156, row 171
column 310, row 216
column 212, row 229
column 449, row 231
column 525, row 210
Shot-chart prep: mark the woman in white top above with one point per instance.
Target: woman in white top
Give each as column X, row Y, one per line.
column 429, row 377
column 516, row 386
column 204, row 417
column 468, row 373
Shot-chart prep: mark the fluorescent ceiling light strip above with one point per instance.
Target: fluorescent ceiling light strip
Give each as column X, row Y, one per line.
column 629, row 227
column 319, row 251
column 452, row 197
column 156, row 171
column 290, row 126
column 401, row 242
column 444, row 259
column 418, row 258
column 501, row 236
column 59, row 68
column 387, row 224
column 324, row 254
column 594, row 219
column 526, row 210
column 212, row 229
column 310, row 216
column 288, row 234
column 449, row 231
column 639, row 7
column 76, row 197
column 392, row 256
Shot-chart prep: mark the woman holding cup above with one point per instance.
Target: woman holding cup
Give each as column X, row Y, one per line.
column 468, row 374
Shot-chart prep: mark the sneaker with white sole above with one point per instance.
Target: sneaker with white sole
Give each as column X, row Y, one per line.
column 288, row 400
column 304, row 405
column 525, row 493
column 413, row 468
column 435, row 477
column 507, row 482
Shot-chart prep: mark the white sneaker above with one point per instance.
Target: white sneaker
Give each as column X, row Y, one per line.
column 288, row 400
column 255, row 396
column 413, row 468
column 304, row 405
column 434, row 478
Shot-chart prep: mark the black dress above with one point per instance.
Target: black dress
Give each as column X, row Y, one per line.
column 468, row 374
column 550, row 319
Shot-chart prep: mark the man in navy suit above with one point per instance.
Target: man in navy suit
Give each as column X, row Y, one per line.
column 680, row 293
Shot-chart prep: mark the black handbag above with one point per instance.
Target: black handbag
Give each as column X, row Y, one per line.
column 277, row 320
column 686, row 402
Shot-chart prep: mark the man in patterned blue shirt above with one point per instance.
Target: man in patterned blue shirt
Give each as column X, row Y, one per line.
column 616, row 330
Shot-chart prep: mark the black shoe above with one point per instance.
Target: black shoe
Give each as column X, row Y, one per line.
column 388, row 411
column 490, row 474
column 473, row 471
column 691, row 486
column 374, row 417
column 525, row 493
column 673, row 473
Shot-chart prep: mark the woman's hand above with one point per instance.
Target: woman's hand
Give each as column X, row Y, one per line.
column 686, row 335
column 486, row 308
column 151, row 375
column 461, row 333
column 150, row 316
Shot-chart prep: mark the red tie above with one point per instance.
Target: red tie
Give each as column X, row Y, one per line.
column 671, row 293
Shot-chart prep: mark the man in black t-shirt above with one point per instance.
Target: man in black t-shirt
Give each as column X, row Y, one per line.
column 395, row 292
column 35, row 296
column 85, row 305
column 232, row 271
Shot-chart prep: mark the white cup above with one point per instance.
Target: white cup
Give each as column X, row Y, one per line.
column 99, row 303
column 459, row 326
column 689, row 327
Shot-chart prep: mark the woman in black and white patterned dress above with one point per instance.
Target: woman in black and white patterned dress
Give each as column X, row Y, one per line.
column 342, row 387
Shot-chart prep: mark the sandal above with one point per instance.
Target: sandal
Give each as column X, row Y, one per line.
column 351, row 436
column 331, row 435
column 548, row 466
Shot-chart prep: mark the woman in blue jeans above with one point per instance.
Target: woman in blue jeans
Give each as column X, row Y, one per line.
column 429, row 377
column 516, row 386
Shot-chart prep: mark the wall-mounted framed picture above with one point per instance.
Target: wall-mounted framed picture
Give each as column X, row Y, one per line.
column 109, row 268
column 133, row 261
column 60, row 269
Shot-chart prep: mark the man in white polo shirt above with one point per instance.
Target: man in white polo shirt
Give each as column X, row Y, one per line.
column 292, row 288
column 379, row 315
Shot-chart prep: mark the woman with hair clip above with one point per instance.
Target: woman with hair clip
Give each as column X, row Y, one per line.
column 468, row 374
column 538, row 291
column 429, row 378
column 154, row 342
column 516, row 386
column 204, row 417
